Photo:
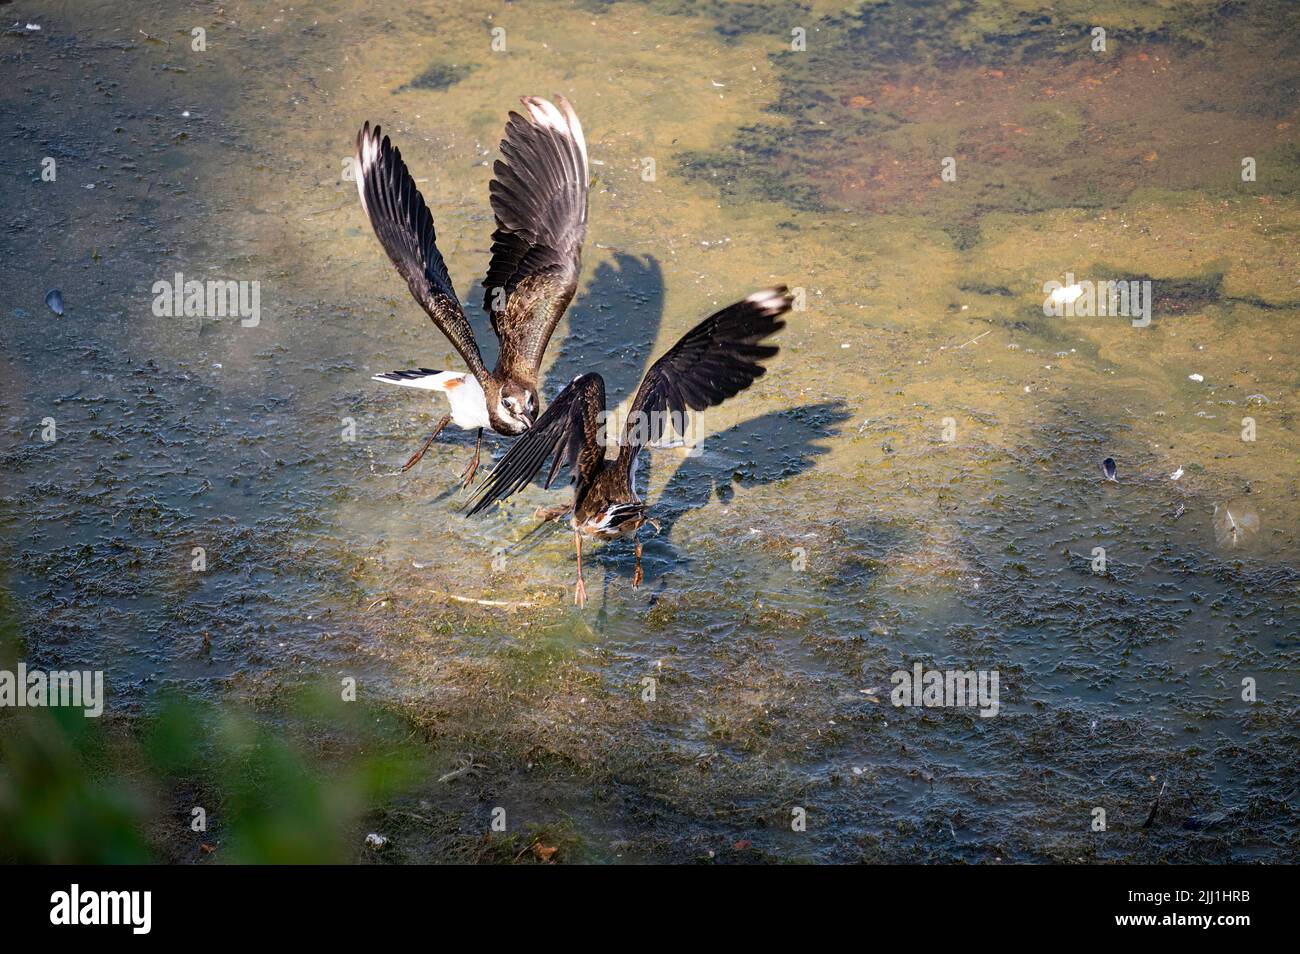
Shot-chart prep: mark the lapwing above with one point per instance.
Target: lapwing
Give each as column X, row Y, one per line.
column 715, row 360
column 539, row 199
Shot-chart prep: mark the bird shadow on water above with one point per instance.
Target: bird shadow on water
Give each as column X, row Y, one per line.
column 763, row 450
column 613, row 326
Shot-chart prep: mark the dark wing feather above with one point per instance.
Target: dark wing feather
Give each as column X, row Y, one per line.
column 715, row 360
column 404, row 227
column 539, row 198
column 569, row 429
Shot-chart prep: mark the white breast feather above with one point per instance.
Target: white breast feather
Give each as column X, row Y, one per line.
column 469, row 408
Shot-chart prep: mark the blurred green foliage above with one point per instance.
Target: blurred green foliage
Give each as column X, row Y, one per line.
column 52, row 807
column 287, row 787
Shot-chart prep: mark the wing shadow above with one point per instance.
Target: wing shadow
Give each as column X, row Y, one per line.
column 612, row 326
column 759, row 451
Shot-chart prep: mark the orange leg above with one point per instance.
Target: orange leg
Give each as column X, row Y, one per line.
column 579, row 591
column 468, row 476
column 637, row 577
column 415, row 458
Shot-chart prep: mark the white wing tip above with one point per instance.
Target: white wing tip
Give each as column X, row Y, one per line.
column 367, row 157
column 769, row 298
column 562, row 119
column 544, row 113
column 575, row 127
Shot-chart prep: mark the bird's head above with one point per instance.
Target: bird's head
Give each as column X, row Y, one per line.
column 515, row 408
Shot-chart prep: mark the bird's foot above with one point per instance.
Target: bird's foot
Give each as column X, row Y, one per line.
column 580, row 594
column 552, row 513
column 467, row 478
column 415, row 458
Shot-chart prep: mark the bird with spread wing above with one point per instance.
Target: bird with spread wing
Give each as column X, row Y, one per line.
column 539, row 199
column 717, row 359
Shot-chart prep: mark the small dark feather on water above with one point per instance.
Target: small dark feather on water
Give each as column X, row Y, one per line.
column 54, row 298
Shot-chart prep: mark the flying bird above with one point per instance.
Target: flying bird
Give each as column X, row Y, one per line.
column 539, row 199
column 715, row 360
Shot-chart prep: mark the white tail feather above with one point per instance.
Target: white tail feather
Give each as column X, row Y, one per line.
column 422, row 378
column 464, row 393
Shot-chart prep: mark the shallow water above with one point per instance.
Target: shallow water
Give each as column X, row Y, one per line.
column 818, row 168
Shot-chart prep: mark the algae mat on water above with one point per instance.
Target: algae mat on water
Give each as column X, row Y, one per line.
column 917, row 479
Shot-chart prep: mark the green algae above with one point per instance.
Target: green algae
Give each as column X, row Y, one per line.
column 820, row 169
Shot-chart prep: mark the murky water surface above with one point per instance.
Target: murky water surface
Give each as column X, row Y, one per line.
column 917, row 479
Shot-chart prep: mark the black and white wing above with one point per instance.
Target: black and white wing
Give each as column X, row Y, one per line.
column 569, row 429
column 539, row 198
column 715, row 360
column 404, row 227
